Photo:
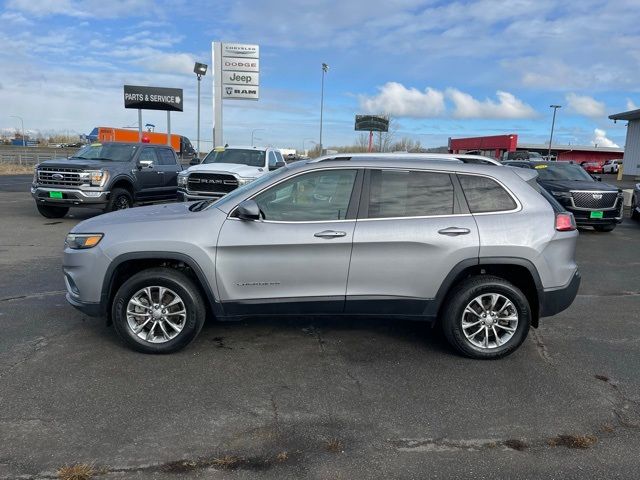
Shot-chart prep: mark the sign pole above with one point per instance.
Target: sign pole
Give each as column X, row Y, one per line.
column 217, row 93
column 140, row 125
column 168, row 128
column 370, row 140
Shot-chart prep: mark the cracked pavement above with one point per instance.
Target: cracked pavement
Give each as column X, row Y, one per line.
column 400, row 403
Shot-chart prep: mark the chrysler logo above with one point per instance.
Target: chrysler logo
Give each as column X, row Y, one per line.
column 597, row 196
column 57, row 176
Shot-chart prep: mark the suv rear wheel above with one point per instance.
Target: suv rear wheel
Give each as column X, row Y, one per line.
column 486, row 317
column 158, row 310
column 50, row 211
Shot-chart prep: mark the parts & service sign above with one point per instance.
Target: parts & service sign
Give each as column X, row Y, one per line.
column 153, row 98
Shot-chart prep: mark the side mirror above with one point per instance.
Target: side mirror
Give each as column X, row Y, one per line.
column 145, row 164
column 248, row 210
column 279, row 164
column 194, row 161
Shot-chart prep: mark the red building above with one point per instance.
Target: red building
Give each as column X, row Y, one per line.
column 497, row 145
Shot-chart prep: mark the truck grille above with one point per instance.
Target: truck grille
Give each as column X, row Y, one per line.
column 211, row 183
column 63, row 177
column 595, row 200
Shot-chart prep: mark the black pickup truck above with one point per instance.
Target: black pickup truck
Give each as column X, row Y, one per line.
column 109, row 176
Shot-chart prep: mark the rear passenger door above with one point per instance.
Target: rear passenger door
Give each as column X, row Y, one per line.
column 412, row 230
column 170, row 167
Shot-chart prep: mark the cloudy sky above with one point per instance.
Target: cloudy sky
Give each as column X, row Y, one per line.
column 439, row 68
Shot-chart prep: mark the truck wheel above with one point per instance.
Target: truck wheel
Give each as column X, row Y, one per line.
column 486, row 317
column 604, row 228
column 119, row 199
column 159, row 310
column 49, row 211
column 634, row 209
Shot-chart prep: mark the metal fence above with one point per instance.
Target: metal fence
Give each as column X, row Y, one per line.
column 29, row 158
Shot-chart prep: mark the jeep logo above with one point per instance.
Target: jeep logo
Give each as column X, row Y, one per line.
column 597, row 196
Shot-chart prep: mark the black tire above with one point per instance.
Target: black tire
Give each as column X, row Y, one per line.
column 466, row 292
column 634, row 212
column 119, row 199
column 168, row 278
column 604, row 228
column 50, row 211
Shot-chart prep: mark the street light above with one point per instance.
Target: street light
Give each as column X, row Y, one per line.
column 325, row 69
column 200, row 69
column 553, row 122
column 254, row 131
column 22, row 125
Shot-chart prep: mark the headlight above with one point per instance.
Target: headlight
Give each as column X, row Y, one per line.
column 182, row 179
column 95, row 178
column 35, row 174
column 244, row 181
column 561, row 194
column 79, row 241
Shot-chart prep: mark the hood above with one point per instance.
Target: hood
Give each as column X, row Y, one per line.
column 78, row 163
column 136, row 216
column 566, row 185
column 235, row 168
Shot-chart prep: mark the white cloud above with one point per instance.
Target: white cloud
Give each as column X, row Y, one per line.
column 507, row 106
column 15, row 18
column 631, row 105
column 585, row 105
column 397, row 100
column 169, row 62
column 600, row 139
column 82, row 8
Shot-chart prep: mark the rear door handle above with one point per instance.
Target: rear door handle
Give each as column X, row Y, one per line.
column 454, row 231
column 330, row 234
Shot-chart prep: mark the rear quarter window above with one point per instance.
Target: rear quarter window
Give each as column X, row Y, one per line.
column 485, row 195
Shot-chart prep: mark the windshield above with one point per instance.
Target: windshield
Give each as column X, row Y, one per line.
column 560, row 171
column 110, row 152
column 241, row 156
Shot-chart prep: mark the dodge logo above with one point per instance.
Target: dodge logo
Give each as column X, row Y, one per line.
column 597, row 196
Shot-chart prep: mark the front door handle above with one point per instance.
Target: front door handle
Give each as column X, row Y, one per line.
column 454, row 231
column 160, row 173
column 330, row 234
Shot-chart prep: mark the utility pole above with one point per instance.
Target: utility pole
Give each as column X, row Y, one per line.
column 553, row 122
column 325, row 68
column 24, row 144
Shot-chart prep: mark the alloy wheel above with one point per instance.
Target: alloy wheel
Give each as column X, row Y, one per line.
column 489, row 321
column 156, row 314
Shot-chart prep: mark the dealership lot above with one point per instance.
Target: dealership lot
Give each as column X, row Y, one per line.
column 322, row 398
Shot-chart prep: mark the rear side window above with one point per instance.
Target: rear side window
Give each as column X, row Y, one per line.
column 485, row 195
column 409, row 194
column 166, row 157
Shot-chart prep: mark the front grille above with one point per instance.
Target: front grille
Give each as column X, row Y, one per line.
column 211, row 182
column 60, row 177
column 595, row 200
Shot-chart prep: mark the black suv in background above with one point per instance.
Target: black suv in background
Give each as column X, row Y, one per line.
column 593, row 203
column 109, row 176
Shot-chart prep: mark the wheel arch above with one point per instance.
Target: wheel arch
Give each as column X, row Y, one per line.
column 123, row 181
column 128, row 264
column 519, row 271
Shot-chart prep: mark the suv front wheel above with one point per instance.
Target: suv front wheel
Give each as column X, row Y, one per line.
column 486, row 317
column 159, row 310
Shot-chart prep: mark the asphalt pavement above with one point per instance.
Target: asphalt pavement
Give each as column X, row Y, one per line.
column 313, row 398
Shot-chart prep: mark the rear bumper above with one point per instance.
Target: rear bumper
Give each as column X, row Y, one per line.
column 555, row 301
column 71, row 197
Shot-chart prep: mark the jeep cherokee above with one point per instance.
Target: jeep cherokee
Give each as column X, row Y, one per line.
column 476, row 248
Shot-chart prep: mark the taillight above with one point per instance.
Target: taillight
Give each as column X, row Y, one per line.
column 565, row 222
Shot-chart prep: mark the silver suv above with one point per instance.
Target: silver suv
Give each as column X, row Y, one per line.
column 477, row 249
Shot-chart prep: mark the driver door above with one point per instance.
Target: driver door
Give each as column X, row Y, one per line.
column 295, row 260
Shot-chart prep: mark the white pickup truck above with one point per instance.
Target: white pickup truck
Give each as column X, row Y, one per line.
column 224, row 169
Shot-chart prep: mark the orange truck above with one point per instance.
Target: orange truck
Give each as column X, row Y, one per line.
column 180, row 144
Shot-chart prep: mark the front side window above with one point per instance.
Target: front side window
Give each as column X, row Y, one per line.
column 166, row 157
column 313, row 196
column 148, row 154
column 395, row 193
column 485, row 195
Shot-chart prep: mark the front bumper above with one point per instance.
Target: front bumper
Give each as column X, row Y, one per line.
column 555, row 301
column 185, row 196
column 70, row 197
column 90, row 309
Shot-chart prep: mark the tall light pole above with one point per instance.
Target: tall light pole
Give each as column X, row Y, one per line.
column 325, row 69
column 200, row 69
column 254, row 131
column 22, row 125
column 553, row 123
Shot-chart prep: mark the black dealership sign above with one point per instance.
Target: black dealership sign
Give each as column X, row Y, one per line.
column 153, row 98
column 372, row 123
